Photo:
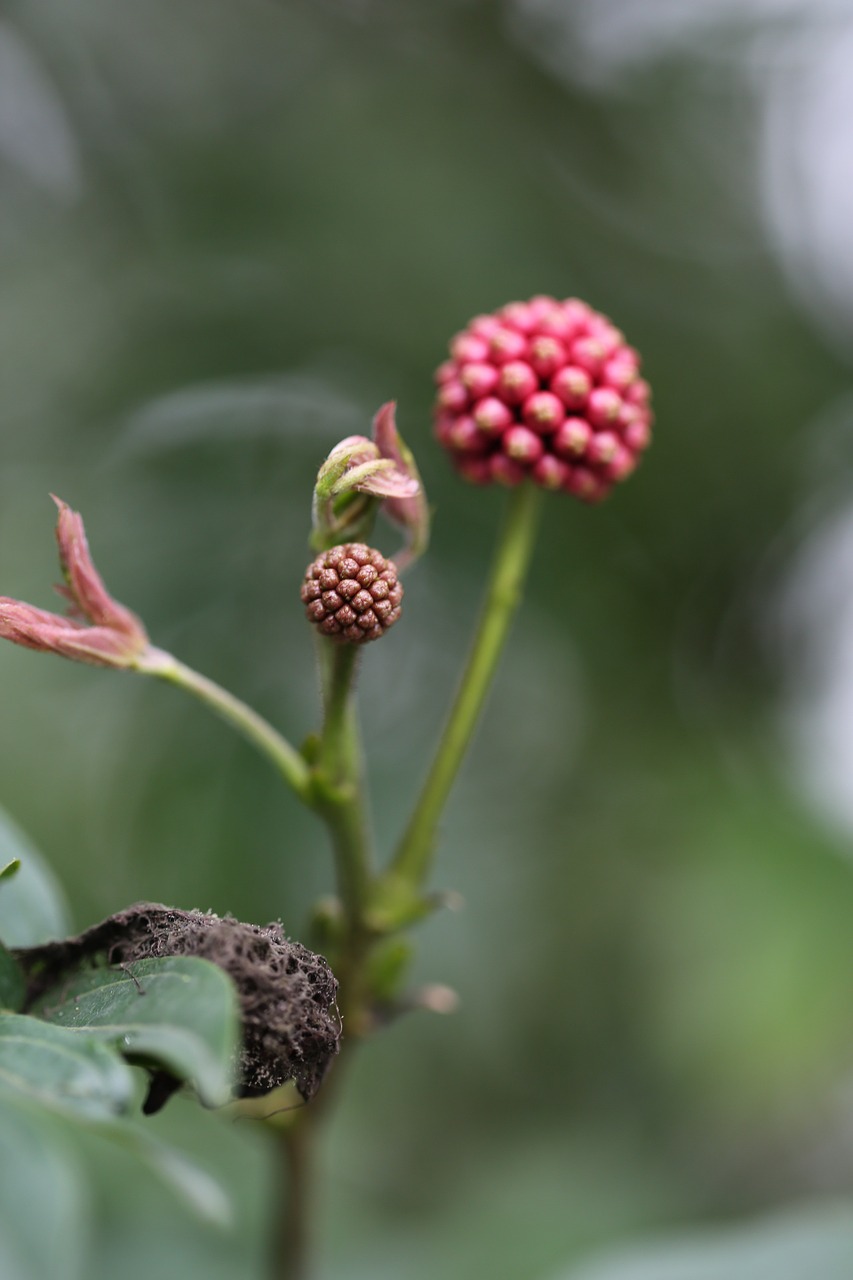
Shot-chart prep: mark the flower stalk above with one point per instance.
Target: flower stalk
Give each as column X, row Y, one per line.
column 414, row 854
column 283, row 756
column 337, row 782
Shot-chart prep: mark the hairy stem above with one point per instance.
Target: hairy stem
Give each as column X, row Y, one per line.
column 252, row 726
column 509, row 569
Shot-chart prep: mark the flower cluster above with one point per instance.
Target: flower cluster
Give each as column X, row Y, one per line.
column 543, row 389
column 352, row 593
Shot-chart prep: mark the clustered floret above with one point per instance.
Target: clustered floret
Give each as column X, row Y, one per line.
column 352, row 593
column 545, row 390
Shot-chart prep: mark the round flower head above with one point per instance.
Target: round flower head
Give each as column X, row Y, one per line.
column 351, row 593
column 543, row 390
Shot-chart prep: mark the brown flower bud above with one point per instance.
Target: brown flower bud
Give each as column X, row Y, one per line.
column 352, row 593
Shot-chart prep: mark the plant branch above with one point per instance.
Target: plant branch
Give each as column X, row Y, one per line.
column 509, row 569
column 286, row 759
column 337, row 779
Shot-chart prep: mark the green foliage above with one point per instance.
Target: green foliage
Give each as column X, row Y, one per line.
column 11, row 982
column 44, row 1203
column 65, row 1077
column 32, row 905
column 58, row 1068
column 47, row 1207
column 178, row 1013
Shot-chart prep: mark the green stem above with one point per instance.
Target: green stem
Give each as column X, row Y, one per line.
column 291, row 1239
column 337, row 793
column 338, row 784
column 259, row 731
column 509, row 569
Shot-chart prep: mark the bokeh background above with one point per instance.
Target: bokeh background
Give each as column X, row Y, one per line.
column 229, row 231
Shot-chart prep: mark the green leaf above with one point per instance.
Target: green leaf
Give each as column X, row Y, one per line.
column 786, row 1247
column 43, row 1206
column 60, row 1068
column 32, row 907
column 201, row 1193
column 12, row 984
column 178, row 1012
column 58, row 1159
column 10, row 868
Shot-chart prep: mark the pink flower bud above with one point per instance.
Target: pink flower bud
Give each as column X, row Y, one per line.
column 478, row 379
column 578, row 315
column 543, row 411
column 589, row 354
column 556, row 398
column 621, row 464
column 518, row 315
column 602, row 448
column 603, row 407
column 572, row 384
column 554, row 323
column 485, row 326
column 572, row 439
column 619, row 374
column 550, row 473
column 585, row 484
column 469, row 347
column 492, row 415
column 547, row 356
column 452, row 396
column 505, row 471
column 506, row 345
column 638, row 392
column 517, row 381
column 466, row 437
column 637, row 436
column 523, row 445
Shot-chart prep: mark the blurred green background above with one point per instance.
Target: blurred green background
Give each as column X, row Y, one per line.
column 229, row 232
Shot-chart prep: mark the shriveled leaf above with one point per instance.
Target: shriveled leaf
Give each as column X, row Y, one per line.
column 178, row 1013
column 32, row 906
column 43, row 1202
column 10, row 868
column 11, row 982
column 60, row 1068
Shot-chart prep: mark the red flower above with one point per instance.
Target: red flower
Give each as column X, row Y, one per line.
column 543, row 390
